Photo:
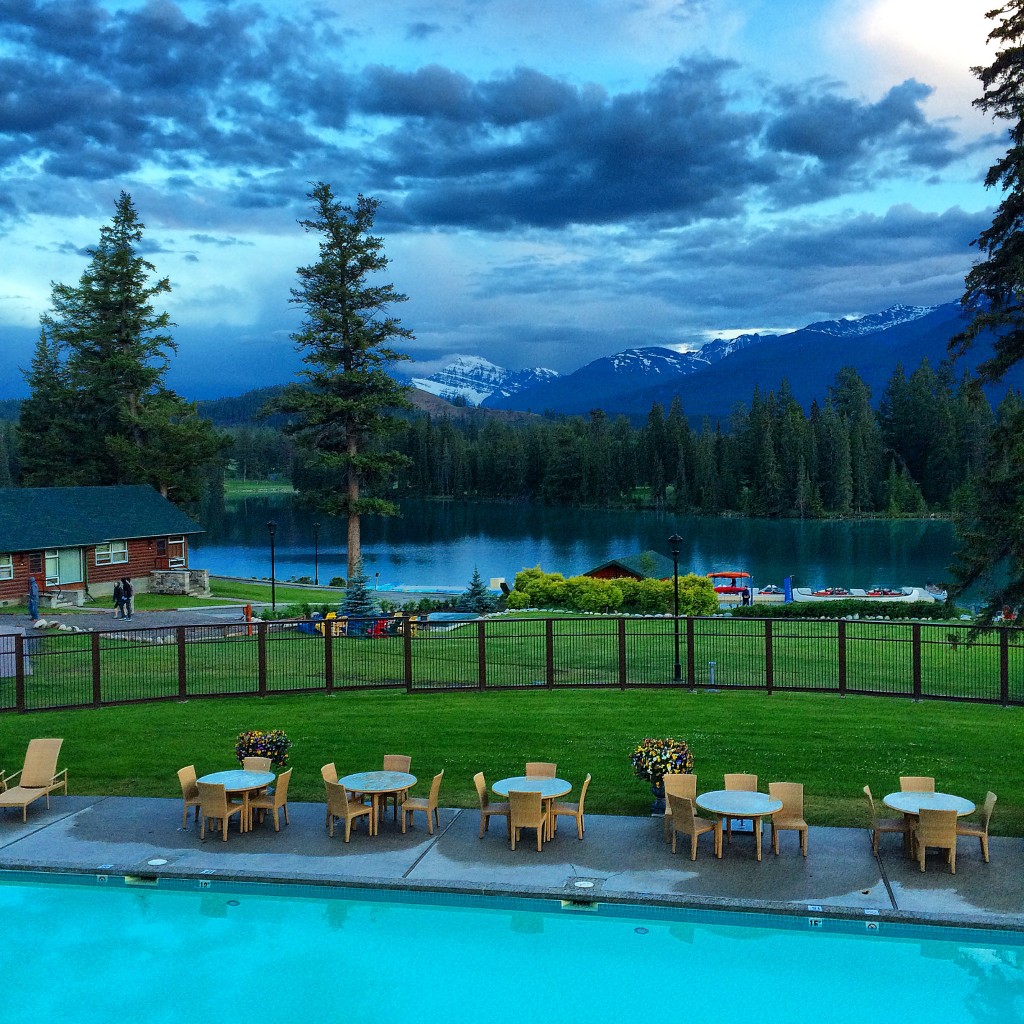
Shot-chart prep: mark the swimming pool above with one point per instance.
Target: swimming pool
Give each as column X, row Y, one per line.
column 106, row 952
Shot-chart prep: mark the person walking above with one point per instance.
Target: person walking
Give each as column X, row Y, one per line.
column 129, row 596
column 33, row 598
column 119, row 599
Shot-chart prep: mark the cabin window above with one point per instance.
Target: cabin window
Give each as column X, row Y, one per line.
column 64, row 565
column 35, row 563
column 176, row 552
column 6, row 567
column 114, row 552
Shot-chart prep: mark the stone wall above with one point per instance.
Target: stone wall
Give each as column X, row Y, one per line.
column 180, row 582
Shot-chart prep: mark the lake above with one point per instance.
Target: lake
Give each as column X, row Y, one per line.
column 440, row 544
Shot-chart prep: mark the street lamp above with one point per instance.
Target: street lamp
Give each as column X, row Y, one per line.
column 675, row 543
column 272, row 529
column 316, row 554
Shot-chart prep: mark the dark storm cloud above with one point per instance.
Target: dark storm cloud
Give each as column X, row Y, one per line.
column 422, row 30
column 259, row 102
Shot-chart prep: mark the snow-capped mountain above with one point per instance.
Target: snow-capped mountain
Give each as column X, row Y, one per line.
column 474, row 379
column 855, row 327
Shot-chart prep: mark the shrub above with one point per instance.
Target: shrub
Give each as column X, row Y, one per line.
column 653, row 759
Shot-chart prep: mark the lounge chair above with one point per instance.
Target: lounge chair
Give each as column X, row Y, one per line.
column 38, row 778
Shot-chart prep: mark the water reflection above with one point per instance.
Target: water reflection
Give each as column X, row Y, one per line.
column 441, row 543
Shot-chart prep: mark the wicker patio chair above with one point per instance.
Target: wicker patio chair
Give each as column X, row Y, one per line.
column 980, row 829
column 880, row 825
column 275, row 801
column 428, row 806
column 396, row 763
column 684, row 819
column 214, row 805
column 540, row 770
column 681, row 785
column 526, row 810
column 743, row 783
column 917, row 784
column 341, row 805
column 189, row 792
column 37, row 778
column 936, row 829
column 487, row 809
column 571, row 810
column 256, row 764
column 791, row 816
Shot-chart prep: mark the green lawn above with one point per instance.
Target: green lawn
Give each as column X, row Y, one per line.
column 833, row 745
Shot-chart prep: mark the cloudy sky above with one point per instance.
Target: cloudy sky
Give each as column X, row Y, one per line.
column 561, row 180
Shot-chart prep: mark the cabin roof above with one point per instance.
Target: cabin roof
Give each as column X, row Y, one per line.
column 36, row 518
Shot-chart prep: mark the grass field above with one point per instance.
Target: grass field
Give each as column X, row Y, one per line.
column 833, row 745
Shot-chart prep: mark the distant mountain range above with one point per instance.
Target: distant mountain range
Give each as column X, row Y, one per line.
column 710, row 380
column 475, row 379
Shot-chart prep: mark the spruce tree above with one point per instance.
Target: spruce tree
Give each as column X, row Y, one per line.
column 344, row 408
column 990, row 524
column 477, row 598
column 358, row 602
column 97, row 379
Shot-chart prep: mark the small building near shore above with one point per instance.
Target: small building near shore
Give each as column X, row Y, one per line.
column 79, row 541
column 648, row 565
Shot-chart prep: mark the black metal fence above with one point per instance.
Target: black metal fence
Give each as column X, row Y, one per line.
column 892, row 659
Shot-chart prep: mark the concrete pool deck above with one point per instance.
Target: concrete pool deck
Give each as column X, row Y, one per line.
column 625, row 860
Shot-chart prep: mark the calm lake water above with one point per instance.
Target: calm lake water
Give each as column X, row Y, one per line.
column 440, row 544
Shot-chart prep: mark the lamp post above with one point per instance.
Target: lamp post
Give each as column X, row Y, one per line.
column 316, row 554
column 272, row 529
column 675, row 547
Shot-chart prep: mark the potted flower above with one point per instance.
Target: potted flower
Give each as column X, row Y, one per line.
column 653, row 759
column 273, row 744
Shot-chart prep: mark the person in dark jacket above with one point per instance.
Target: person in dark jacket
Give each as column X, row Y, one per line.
column 119, row 600
column 129, row 596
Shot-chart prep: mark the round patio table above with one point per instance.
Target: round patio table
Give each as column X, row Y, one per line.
column 910, row 802
column 241, row 782
column 550, row 789
column 737, row 803
column 375, row 785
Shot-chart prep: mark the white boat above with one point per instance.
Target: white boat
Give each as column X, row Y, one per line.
column 882, row 595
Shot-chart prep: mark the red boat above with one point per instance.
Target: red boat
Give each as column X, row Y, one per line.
column 731, row 582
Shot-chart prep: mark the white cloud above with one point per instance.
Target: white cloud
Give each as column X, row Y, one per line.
column 878, row 42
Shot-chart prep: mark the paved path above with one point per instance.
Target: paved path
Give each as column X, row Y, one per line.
column 626, row 859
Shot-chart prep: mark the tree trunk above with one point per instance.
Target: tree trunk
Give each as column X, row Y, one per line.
column 354, row 548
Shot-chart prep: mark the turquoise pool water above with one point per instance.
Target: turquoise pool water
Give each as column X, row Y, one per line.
column 89, row 953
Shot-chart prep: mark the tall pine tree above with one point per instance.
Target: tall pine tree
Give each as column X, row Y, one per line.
column 97, row 380
column 344, row 409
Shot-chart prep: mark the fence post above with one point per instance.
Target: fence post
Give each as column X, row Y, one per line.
column 841, row 640
column 408, row 655
column 261, row 659
column 329, row 654
column 915, row 646
column 549, row 651
column 691, row 654
column 19, row 672
column 179, row 634
column 1004, row 665
column 97, row 689
column 769, row 661
column 622, row 652
column 481, row 654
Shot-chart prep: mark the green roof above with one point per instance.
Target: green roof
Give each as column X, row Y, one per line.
column 36, row 518
column 647, row 564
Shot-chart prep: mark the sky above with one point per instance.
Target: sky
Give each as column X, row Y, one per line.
column 560, row 181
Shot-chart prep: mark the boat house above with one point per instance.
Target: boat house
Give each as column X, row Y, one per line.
column 648, row 565
column 78, row 541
